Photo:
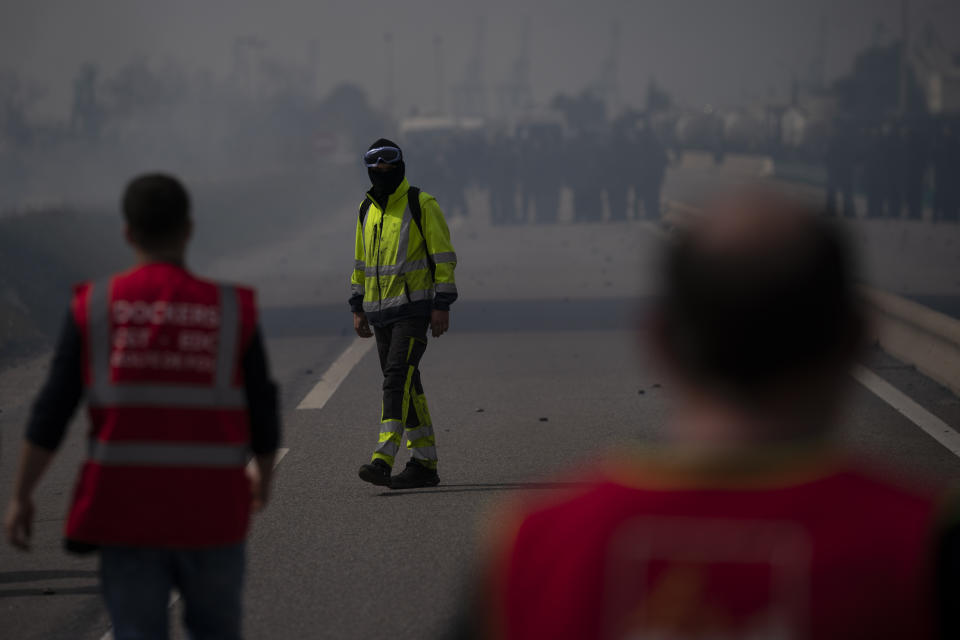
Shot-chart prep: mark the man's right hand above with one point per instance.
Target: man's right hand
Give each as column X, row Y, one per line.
column 361, row 326
column 18, row 523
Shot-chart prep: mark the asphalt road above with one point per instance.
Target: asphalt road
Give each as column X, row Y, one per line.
column 541, row 372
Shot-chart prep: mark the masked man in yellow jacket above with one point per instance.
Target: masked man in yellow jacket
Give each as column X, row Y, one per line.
column 402, row 284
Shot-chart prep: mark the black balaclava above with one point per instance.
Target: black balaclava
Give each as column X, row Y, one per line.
column 386, row 182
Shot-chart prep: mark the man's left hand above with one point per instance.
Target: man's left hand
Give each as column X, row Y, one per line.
column 439, row 322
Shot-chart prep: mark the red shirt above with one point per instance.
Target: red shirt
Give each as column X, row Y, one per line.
column 810, row 549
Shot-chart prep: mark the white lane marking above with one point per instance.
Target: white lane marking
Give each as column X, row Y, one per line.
column 931, row 424
column 336, row 374
column 175, row 595
column 934, row 426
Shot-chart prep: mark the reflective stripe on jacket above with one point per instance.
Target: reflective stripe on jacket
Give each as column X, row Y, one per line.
column 391, row 270
column 169, row 434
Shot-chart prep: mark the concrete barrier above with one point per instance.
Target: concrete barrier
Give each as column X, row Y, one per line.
column 917, row 335
column 738, row 163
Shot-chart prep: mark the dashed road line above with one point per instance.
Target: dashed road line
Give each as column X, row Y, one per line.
column 276, row 461
column 338, row 371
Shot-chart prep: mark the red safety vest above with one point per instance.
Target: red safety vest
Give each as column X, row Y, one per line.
column 169, row 431
column 841, row 555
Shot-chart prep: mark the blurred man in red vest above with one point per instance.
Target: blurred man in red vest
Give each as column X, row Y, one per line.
column 176, row 382
column 747, row 523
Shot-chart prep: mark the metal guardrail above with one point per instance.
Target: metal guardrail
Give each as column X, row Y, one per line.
column 917, row 335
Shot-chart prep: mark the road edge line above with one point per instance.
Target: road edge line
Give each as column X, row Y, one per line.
column 909, row 408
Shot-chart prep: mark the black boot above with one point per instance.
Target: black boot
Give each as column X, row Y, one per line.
column 376, row 472
column 414, row 476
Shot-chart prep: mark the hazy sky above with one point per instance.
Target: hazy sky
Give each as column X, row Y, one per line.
column 717, row 51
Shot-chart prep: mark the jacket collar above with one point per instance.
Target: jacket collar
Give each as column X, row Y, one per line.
column 397, row 195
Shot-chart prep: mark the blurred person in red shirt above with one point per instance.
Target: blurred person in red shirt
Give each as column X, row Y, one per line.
column 749, row 522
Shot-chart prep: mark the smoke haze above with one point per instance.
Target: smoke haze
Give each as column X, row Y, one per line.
column 702, row 51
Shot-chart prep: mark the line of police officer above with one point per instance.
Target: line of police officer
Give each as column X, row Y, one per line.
column 901, row 167
column 620, row 171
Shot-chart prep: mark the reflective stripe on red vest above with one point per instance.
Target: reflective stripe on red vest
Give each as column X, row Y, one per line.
column 169, row 428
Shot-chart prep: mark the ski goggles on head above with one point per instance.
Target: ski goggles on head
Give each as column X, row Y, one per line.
column 389, row 155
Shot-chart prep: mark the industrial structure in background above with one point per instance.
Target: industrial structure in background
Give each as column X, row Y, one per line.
column 900, row 100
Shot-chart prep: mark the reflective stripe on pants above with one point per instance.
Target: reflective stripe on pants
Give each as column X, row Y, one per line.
column 389, row 444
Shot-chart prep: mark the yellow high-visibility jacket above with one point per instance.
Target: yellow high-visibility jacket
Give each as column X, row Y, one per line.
column 392, row 275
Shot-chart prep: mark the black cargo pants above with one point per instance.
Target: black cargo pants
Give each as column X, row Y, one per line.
column 404, row 413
